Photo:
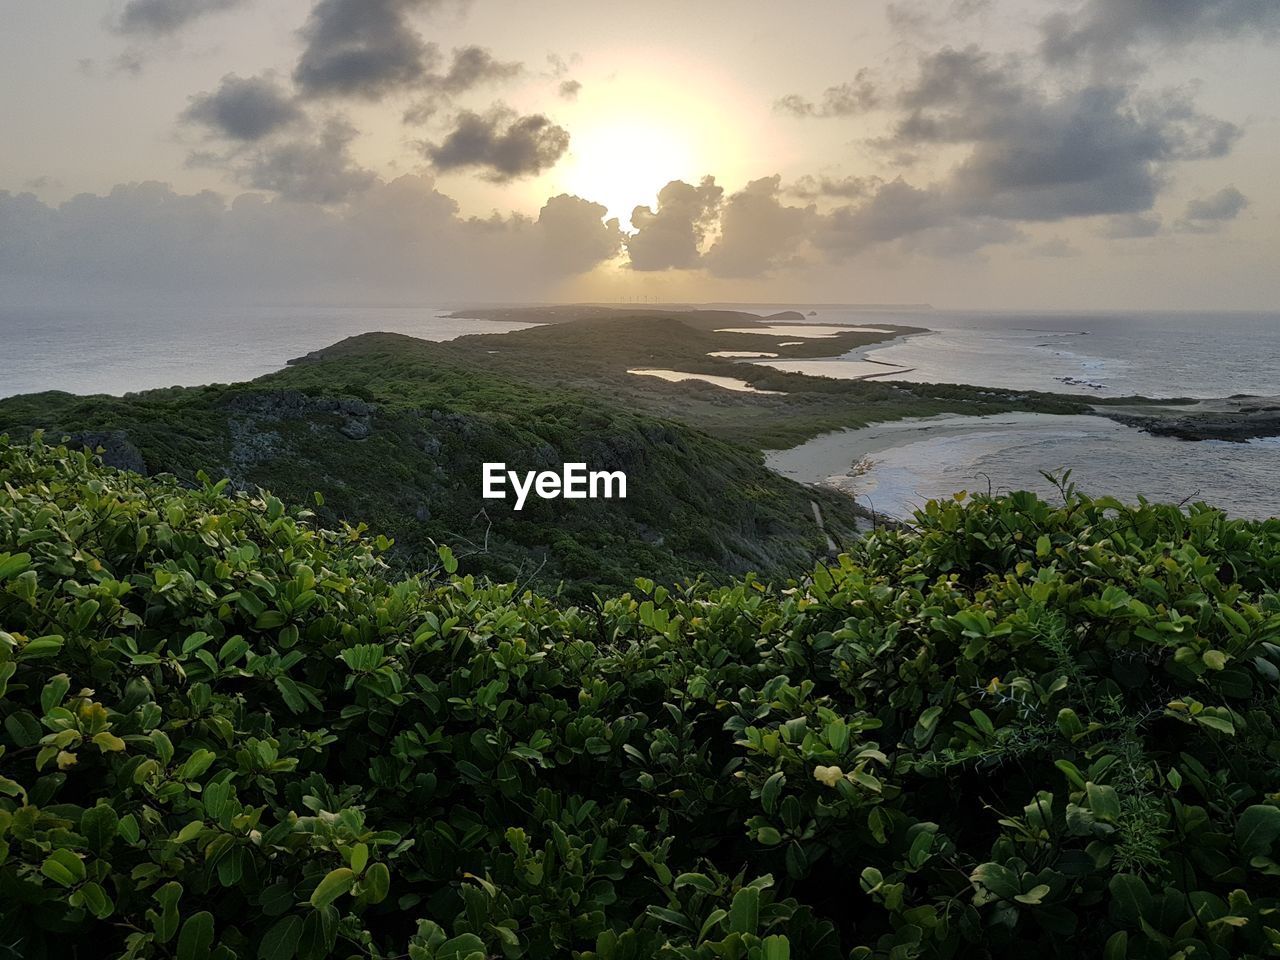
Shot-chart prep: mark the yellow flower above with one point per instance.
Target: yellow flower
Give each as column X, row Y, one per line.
column 828, row 775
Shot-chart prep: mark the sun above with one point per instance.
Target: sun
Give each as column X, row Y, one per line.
column 638, row 132
column 624, row 162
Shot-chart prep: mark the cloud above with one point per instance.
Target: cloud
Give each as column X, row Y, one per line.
column 846, row 100
column 569, row 89
column 927, row 18
column 576, row 237
column 244, row 109
column 163, row 18
column 758, row 233
column 311, row 169
column 1103, row 30
column 1210, row 214
column 670, row 237
column 1131, row 226
column 471, row 67
column 1055, row 248
column 809, row 187
column 398, row 241
column 1038, row 156
column 364, row 49
column 500, row 143
column 1226, row 204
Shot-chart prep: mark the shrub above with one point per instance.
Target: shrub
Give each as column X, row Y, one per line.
column 1022, row 728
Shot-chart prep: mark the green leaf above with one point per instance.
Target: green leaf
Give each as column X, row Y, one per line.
column 1216, row 723
column 319, row 934
column 997, row 879
column 461, row 948
column 1129, row 897
column 64, row 868
column 1117, row 947
column 377, row 882
column 744, row 912
column 41, row 648
column 699, row 881
column 1257, row 829
column 197, row 764
column 96, row 899
column 54, row 692
column 335, row 884
column 281, row 941
column 196, row 939
column 12, row 564
column 771, row 790
column 1035, row 895
column 776, row 947
column 99, row 825
column 1214, row 659
column 1103, row 801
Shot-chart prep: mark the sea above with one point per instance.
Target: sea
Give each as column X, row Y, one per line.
column 117, row 351
column 894, row 467
column 1202, row 355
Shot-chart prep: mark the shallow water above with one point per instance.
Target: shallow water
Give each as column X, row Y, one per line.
column 728, row 383
column 812, row 331
column 1117, row 354
column 909, row 462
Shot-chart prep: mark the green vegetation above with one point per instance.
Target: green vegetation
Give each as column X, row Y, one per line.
column 1024, row 729
column 393, row 431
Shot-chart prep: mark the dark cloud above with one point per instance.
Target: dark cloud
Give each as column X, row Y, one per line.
column 896, row 210
column 162, row 18
column 1131, row 226
column 471, row 67
column 758, row 233
column 244, row 109
column 500, row 144
column 401, row 241
column 576, row 236
column 316, row 169
column 364, row 48
column 1226, row 204
column 569, row 89
column 1105, row 29
column 670, row 237
column 846, row 100
column 1036, row 156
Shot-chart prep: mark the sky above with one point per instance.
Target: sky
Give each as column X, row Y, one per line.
column 1003, row 154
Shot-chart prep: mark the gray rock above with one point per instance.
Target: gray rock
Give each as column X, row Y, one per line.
column 117, row 449
column 356, row 429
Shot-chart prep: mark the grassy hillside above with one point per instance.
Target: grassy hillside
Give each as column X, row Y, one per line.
column 1026, row 729
column 393, row 432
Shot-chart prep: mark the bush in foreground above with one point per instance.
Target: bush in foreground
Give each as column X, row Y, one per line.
column 1022, row 729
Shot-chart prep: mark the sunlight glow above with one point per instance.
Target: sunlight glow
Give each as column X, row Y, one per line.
column 637, row 132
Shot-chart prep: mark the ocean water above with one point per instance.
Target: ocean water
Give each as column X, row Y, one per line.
column 115, row 351
column 1198, row 355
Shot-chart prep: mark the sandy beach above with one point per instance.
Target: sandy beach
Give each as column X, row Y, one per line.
column 895, row 467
